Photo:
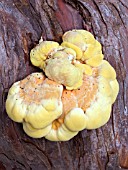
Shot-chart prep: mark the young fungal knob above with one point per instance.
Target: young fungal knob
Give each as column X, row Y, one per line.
column 75, row 120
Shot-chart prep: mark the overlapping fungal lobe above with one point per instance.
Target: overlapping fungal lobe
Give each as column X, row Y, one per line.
column 36, row 101
column 57, row 63
column 61, row 69
column 40, row 53
column 76, row 92
column 87, row 48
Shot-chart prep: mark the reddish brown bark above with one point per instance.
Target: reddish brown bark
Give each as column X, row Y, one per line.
column 22, row 22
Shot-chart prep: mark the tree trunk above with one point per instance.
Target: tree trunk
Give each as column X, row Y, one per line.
column 22, row 22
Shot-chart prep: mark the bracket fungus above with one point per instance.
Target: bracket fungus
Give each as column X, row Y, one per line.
column 75, row 91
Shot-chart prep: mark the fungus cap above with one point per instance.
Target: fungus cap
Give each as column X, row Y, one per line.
column 77, row 93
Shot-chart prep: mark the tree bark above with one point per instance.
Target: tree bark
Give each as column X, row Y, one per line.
column 22, row 22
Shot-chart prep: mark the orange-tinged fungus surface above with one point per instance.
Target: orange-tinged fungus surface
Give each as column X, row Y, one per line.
column 75, row 92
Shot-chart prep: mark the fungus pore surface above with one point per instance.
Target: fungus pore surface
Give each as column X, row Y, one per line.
column 75, row 90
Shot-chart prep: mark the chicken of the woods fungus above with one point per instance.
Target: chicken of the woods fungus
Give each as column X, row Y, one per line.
column 75, row 91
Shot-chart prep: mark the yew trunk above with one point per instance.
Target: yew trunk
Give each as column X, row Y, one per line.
column 22, row 23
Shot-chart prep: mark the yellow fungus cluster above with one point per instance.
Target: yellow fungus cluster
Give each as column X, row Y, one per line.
column 75, row 92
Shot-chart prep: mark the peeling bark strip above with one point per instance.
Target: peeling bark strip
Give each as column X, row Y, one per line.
column 21, row 25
